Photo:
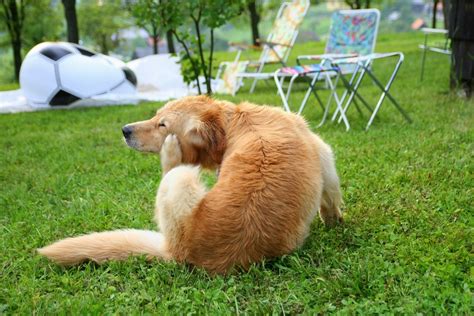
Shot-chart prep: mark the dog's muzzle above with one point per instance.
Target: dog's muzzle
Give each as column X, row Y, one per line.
column 127, row 131
column 128, row 136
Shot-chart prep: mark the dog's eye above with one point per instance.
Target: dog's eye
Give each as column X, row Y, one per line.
column 161, row 125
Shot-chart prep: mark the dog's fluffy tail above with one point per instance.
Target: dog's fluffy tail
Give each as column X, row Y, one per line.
column 112, row 245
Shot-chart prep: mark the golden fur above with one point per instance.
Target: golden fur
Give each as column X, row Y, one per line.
column 274, row 176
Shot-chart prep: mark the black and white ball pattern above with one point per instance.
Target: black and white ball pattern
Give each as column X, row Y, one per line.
column 58, row 74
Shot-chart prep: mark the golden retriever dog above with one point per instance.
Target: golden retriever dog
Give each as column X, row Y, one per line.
column 274, row 177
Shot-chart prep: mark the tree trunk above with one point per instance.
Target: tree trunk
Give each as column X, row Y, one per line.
column 16, row 46
column 462, row 68
column 445, row 13
column 433, row 18
column 154, row 40
column 201, row 52
column 354, row 4
column 103, row 45
column 71, row 20
column 169, row 40
column 461, row 32
column 211, row 53
column 254, row 20
column 14, row 17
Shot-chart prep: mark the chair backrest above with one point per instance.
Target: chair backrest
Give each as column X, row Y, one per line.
column 230, row 82
column 353, row 32
column 285, row 30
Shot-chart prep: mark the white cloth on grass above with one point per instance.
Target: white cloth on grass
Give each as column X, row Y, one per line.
column 158, row 79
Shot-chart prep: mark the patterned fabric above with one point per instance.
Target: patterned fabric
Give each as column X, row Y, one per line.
column 352, row 32
column 284, row 29
column 230, row 82
column 306, row 69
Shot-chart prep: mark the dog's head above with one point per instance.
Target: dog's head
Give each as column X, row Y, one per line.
column 198, row 122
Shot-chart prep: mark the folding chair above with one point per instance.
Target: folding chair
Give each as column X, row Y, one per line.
column 276, row 48
column 313, row 71
column 363, row 67
column 230, row 82
column 352, row 33
column 441, row 48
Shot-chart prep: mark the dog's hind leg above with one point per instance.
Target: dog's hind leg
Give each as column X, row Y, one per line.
column 331, row 200
column 179, row 192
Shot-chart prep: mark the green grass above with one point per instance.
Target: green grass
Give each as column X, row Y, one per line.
column 406, row 246
column 9, row 86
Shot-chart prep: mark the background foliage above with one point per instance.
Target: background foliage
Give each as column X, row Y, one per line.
column 107, row 34
column 101, row 23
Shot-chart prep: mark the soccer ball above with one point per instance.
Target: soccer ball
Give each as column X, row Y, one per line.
column 59, row 74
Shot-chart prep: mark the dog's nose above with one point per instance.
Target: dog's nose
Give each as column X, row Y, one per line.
column 127, row 131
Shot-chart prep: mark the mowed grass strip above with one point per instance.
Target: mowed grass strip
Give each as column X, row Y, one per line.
column 406, row 246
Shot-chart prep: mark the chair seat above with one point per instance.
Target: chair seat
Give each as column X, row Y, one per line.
column 306, row 69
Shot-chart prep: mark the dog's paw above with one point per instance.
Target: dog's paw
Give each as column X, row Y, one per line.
column 171, row 155
column 171, row 147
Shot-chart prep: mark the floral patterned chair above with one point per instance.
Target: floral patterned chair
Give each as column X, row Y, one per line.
column 276, row 49
column 349, row 51
column 352, row 38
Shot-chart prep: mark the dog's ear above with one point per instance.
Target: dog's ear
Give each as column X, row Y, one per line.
column 207, row 132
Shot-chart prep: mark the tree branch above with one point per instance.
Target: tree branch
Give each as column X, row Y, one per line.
column 201, row 52
column 186, row 49
column 209, row 91
column 21, row 17
column 8, row 18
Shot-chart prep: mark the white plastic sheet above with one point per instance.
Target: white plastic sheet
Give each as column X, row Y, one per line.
column 159, row 79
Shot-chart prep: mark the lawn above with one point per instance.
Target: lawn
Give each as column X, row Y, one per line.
column 406, row 246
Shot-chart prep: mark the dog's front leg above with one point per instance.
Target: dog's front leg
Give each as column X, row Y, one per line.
column 171, row 155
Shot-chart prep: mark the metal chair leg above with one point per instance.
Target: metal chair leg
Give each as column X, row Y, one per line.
column 347, row 85
column 290, row 85
column 424, row 57
column 338, row 102
column 279, row 84
column 385, row 92
column 254, row 84
column 308, row 93
column 353, row 91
